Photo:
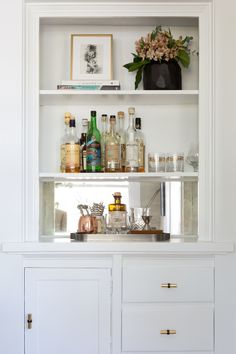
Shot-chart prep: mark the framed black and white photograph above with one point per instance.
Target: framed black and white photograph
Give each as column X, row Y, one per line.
column 91, row 57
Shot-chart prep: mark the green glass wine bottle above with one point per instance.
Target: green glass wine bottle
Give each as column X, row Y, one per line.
column 93, row 146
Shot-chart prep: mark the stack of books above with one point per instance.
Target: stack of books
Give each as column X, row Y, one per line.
column 89, row 85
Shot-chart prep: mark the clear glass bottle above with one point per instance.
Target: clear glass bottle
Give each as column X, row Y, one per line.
column 141, row 145
column 67, row 118
column 116, row 220
column 103, row 139
column 83, row 149
column 112, row 148
column 93, row 145
column 121, row 132
column 72, row 153
column 131, row 159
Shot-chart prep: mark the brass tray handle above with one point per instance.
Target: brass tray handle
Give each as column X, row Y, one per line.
column 169, row 285
column 168, row 331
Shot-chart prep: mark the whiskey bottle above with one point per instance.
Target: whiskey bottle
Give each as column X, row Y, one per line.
column 63, row 141
column 141, row 145
column 112, row 148
column 103, row 140
column 83, row 150
column 121, row 132
column 131, row 159
column 72, row 153
column 93, row 145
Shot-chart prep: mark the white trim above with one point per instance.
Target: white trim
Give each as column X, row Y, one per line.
column 124, row 10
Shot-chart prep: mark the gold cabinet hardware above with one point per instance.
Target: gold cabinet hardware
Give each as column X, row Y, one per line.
column 168, row 285
column 29, row 321
column 168, row 331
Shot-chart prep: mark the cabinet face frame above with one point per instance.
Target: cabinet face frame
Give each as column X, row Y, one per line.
column 37, row 12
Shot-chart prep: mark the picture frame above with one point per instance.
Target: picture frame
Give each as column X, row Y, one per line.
column 91, row 57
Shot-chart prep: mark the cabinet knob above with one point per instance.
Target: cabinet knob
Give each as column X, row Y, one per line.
column 29, row 321
column 168, row 285
column 168, row 331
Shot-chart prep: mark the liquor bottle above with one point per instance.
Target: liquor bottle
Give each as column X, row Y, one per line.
column 93, row 146
column 131, row 159
column 103, row 139
column 67, row 118
column 121, row 132
column 112, row 148
column 116, row 214
column 72, row 160
column 83, row 150
column 141, row 145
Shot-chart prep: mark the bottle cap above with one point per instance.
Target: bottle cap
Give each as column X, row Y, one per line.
column 67, row 115
column 84, row 122
column 121, row 114
column 131, row 110
column 67, row 118
column 138, row 123
column 93, row 114
column 72, row 121
column 104, row 117
column 117, row 194
column 112, row 118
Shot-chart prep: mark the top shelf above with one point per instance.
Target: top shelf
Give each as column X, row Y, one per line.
column 51, row 97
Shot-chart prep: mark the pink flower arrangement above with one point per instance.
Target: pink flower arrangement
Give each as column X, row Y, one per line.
column 159, row 46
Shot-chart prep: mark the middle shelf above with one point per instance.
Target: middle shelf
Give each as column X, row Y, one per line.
column 139, row 176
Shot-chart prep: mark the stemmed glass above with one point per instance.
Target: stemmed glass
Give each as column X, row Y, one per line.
column 193, row 157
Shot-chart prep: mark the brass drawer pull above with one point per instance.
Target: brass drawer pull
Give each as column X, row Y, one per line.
column 168, row 331
column 168, row 285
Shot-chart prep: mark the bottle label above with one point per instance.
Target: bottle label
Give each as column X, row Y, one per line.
column 123, row 154
column 93, row 153
column 141, row 152
column 72, row 156
column 112, row 153
column 63, row 158
column 132, row 154
column 84, row 160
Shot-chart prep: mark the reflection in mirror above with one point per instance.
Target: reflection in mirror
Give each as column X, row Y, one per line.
column 173, row 205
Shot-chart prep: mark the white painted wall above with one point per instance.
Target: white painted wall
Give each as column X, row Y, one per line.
column 225, row 171
column 11, row 279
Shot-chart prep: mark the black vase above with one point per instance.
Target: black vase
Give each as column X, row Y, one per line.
column 162, row 76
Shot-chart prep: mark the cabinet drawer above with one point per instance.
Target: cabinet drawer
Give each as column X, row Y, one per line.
column 143, row 323
column 156, row 282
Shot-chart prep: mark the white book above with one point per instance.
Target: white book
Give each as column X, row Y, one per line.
column 86, row 83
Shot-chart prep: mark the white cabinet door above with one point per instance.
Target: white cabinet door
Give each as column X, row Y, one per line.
column 70, row 311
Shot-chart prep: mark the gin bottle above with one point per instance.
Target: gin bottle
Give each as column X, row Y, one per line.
column 103, row 140
column 93, row 145
column 112, row 148
column 121, row 132
column 72, row 149
column 83, row 150
column 131, row 159
column 67, row 118
column 141, row 145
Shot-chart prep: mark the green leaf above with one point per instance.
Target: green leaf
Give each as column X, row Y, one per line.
column 128, row 65
column 184, row 58
column 138, row 77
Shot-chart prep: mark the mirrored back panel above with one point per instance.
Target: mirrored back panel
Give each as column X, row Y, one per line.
column 173, row 205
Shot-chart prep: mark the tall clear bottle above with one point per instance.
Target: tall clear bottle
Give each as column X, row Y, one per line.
column 112, row 148
column 121, row 132
column 131, row 160
column 141, row 145
column 83, row 149
column 104, row 134
column 72, row 159
column 67, row 118
column 93, row 145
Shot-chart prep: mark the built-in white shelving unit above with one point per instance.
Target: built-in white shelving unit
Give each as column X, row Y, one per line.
column 172, row 121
